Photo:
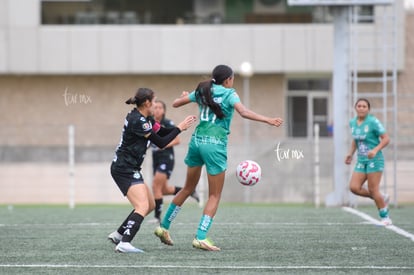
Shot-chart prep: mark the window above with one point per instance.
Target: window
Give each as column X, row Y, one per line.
column 87, row 12
column 308, row 104
column 115, row 11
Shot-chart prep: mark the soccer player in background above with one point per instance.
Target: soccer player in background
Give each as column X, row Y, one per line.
column 163, row 163
column 368, row 139
column 217, row 101
column 138, row 131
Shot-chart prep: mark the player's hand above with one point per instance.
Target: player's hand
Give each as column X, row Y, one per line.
column 184, row 93
column 277, row 121
column 348, row 159
column 187, row 122
column 371, row 154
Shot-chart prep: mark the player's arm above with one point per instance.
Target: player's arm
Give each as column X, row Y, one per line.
column 249, row 114
column 174, row 142
column 182, row 100
column 348, row 158
column 162, row 141
column 165, row 131
column 385, row 139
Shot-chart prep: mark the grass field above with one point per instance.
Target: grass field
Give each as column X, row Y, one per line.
column 282, row 239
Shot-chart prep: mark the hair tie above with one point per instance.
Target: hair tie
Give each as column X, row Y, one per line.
column 213, row 80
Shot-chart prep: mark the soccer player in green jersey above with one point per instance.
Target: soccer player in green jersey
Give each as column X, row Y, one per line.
column 368, row 139
column 217, row 101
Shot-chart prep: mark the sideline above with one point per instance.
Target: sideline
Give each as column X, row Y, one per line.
column 370, row 219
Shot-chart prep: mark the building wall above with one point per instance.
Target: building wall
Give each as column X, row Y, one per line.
column 30, row 48
column 36, row 110
column 52, row 77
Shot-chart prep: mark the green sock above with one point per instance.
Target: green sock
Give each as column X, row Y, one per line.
column 383, row 212
column 203, row 227
column 170, row 215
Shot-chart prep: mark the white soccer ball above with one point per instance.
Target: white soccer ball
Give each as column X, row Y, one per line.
column 248, row 172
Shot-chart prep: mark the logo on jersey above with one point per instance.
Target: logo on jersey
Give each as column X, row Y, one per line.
column 142, row 119
column 218, row 100
column 360, row 166
column 146, row 126
column 137, row 175
column 366, row 129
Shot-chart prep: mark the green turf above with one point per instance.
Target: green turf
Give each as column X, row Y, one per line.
column 254, row 239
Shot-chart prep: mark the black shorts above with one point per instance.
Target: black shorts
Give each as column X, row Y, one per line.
column 125, row 179
column 163, row 164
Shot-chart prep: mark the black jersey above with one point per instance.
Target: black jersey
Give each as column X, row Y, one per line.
column 157, row 152
column 131, row 150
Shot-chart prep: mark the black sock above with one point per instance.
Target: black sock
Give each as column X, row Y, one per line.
column 121, row 229
column 132, row 227
column 177, row 189
column 158, row 208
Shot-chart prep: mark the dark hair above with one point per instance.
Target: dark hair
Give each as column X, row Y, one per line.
column 163, row 106
column 363, row 99
column 141, row 96
column 203, row 91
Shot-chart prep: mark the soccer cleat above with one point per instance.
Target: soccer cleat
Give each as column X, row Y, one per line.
column 115, row 237
column 195, row 196
column 124, row 247
column 386, row 221
column 164, row 235
column 205, row 244
column 154, row 221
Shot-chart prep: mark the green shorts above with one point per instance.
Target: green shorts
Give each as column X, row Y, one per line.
column 209, row 151
column 370, row 166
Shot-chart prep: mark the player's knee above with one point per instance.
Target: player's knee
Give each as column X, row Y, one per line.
column 214, row 197
column 354, row 188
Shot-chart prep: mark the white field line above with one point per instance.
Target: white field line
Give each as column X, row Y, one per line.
column 289, row 267
column 370, row 219
column 180, row 223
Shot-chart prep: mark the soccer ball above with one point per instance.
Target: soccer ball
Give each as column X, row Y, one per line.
column 248, row 172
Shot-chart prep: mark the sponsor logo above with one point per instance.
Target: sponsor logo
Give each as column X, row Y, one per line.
column 137, row 175
column 146, row 126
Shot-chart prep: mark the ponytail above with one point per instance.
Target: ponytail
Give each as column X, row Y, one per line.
column 204, row 97
column 203, row 91
column 141, row 96
column 132, row 100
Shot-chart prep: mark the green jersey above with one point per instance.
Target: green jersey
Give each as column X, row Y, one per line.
column 226, row 97
column 366, row 135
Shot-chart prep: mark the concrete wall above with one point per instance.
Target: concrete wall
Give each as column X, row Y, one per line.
column 46, row 86
column 36, row 110
column 30, row 48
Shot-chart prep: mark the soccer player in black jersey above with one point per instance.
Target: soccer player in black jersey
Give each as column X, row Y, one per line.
column 137, row 134
column 163, row 163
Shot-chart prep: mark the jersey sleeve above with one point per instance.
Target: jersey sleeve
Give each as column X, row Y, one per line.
column 192, row 96
column 234, row 98
column 378, row 127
